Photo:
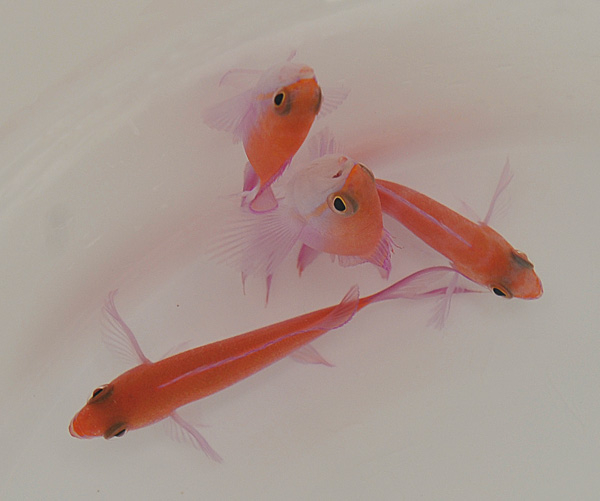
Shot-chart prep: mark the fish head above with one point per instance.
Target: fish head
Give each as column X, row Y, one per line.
column 338, row 198
column 519, row 279
column 99, row 417
column 290, row 90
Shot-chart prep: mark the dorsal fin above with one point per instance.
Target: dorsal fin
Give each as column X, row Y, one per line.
column 503, row 182
column 118, row 337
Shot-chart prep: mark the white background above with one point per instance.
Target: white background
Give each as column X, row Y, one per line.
column 109, row 179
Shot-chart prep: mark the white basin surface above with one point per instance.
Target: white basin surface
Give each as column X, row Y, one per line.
column 109, row 179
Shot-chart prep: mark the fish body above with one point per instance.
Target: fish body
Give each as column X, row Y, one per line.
column 331, row 206
column 272, row 119
column 475, row 249
column 153, row 391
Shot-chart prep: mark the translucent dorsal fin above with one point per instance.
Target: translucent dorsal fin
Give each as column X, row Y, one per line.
column 117, row 336
column 323, row 143
column 503, row 182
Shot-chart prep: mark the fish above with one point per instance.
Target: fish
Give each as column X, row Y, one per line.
column 331, row 206
column 272, row 119
column 153, row 391
column 475, row 250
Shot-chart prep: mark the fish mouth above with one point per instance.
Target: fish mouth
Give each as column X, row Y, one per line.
column 306, row 72
column 72, row 429
column 356, row 171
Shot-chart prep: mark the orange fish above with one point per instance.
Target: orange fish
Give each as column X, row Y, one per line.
column 272, row 119
column 153, row 391
column 474, row 249
column 330, row 206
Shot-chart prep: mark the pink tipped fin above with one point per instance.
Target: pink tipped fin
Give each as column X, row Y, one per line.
column 250, row 177
column 183, row 432
column 438, row 320
column 240, row 78
column 309, row 355
column 257, row 244
column 382, row 255
column 305, row 257
column 323, row 143
column 429, row 282
column 235, row 115
column 264, row 201
column 503, row 182
column 333, row 97
column 118, row 337
column 342, row 313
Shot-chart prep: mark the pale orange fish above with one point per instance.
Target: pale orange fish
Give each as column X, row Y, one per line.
column 331, row 206
column 272, row 119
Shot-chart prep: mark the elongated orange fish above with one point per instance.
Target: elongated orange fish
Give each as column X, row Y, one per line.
column 474, row 249
column 272, row 119
column 153, row 391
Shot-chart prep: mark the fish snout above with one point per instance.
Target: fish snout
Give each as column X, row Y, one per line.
column 306, row 72
column 72, row 426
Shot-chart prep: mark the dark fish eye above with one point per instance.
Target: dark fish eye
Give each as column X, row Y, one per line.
column 339, row 204
column 116, row 430
column 337, row 174
column 278, row 99
column 501, row 291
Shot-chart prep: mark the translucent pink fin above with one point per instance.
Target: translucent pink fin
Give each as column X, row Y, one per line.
column 333, row 97
column 342, row 313
column 269, row 281
column 240, row 78
column 322, row 143
column 381, row 257
column 178, row 348
column 503, row 182
column 347, row 261
column 291, row 56
column 305, row 257
column 235, row 115
column 256, row 244
column 442, row 310
column 183, row 432
column 250, row 177
column 117, row 336
column 264, row 201
column 309, row 355
column 429, row 282
column 468, row 211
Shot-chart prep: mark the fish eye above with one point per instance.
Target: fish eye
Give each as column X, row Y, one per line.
column 100, row 393
column 337, row 174
column 343, row 205
column 501, row 291
column 116, row 430
column 279, row 98
column 339, row 204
